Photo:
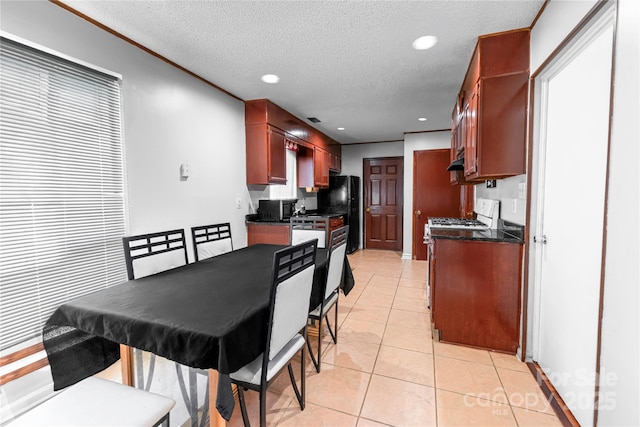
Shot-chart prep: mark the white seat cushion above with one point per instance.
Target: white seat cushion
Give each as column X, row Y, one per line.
column 213, row 248
column 327, row 306
column 251, row 372
column 98, row 402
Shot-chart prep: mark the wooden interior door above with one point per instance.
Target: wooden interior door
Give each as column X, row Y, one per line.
column 433, row 194
column 383, row 189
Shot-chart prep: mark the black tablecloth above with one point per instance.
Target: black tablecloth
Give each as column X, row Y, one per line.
column 211, row 315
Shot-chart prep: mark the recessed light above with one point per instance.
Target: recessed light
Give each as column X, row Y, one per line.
column 270, row 78
column 422, row 119
column 424, row 42
column 340, row 128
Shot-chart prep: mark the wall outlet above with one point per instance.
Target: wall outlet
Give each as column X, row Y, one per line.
column 522, row 189
column 238, row 203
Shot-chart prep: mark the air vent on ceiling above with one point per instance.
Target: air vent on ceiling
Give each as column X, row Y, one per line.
column 313, row 119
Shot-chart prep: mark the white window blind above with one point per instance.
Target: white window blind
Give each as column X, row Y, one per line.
column 61, row 187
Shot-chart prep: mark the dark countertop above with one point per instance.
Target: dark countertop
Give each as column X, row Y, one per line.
column 253, row 218
column 508, row 233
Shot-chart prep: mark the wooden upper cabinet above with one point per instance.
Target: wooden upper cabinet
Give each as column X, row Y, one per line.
column 335, row 163
column 268, row 127
column 266, row 155
column 492, row 105
column 321, row 160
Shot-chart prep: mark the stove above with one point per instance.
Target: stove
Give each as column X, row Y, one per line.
column 487, row 213
column 472, row 224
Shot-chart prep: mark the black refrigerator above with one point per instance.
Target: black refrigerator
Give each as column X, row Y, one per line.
column 343, row 197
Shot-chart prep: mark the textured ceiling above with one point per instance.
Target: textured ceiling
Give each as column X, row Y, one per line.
column 348, row 63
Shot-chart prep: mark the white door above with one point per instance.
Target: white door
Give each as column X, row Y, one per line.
column 572, row 156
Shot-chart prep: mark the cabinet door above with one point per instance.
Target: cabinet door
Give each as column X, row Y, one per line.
column 320, row 167
column 277, row 163
column 471, row 134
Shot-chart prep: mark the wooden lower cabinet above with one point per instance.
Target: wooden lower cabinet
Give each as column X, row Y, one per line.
column 271, row 234
column 475, row 293
column 336, row 222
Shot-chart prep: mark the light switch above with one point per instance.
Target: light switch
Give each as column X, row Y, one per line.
column 184, row 171
column 514, row 205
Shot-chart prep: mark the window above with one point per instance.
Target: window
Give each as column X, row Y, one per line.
column 61, row 186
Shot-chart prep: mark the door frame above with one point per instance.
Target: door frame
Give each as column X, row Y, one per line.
column 601, row 15
column 399, row 196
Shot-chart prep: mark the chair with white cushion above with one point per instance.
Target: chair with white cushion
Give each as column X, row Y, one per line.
column 147, row 254
column 304, row 229
column 211, row 240
column 292, row 281
column 336, row 255
column 98, row 402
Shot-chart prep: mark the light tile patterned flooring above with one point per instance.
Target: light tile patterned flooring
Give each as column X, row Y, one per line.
column 386, row 369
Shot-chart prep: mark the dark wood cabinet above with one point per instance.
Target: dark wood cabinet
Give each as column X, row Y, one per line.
column 335, row 222
column 268, row 127
column 491, row 119
column 268, row 233
column 266, row 155
column 321, row 162
column 335, row 163
column 475, row 293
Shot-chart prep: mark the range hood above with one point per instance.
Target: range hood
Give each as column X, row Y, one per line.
column 457, row 164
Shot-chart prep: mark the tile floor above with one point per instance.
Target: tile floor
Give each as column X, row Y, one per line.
column 386, row 369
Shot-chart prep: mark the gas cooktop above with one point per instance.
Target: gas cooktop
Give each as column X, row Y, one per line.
column 465, row 223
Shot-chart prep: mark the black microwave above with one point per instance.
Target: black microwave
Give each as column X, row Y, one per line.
column 276, row 210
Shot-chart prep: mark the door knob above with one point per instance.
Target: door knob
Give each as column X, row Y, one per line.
column 418, row 213
column 368, row 210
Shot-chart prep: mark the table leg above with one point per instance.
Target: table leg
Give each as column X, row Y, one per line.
column 215, row 419
column 126, row 364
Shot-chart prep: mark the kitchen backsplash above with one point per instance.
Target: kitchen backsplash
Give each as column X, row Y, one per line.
column 257, row 192
column 512, row 194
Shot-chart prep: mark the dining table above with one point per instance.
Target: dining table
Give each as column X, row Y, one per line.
column 211, row 314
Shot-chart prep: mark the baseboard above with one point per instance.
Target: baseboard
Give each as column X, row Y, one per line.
column 559, row 407
column 407, row 256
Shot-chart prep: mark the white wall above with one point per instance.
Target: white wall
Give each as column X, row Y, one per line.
column 169, row 118
column 512, row 195
column 416, row 142
column 620, row 358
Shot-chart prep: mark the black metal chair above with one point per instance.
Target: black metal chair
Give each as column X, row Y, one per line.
column 305, row 228
column 211, row 240
column 147, row 254
column 336, row 255
column 293, row 269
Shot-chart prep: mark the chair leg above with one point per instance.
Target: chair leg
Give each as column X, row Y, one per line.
column 335, row 324
column 243, row 407
column 141, row 383
column 263, row 406
column 316, row 362
column 295, row 386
